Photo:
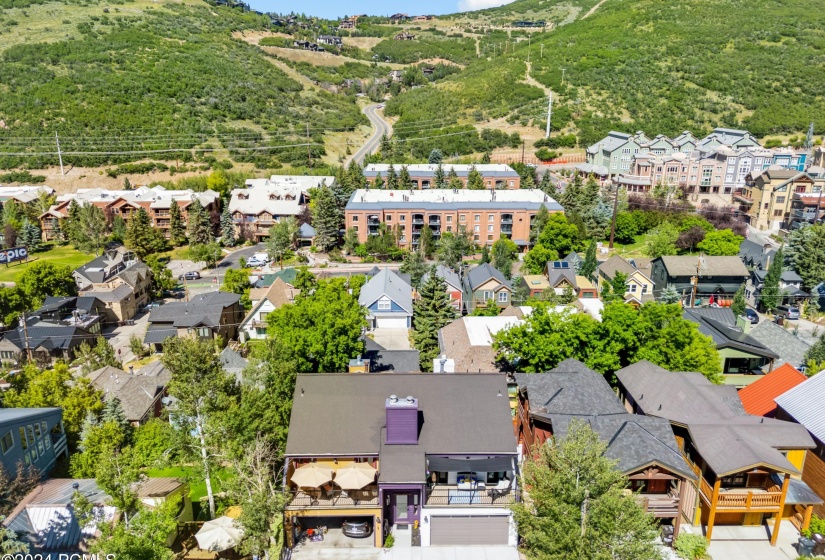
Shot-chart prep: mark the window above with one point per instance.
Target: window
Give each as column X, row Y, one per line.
column 30, row 432
column 502, row 297
column 7, row 355
column 355, row 229
column 777, row 213
column 34, row 453
column 28, row 460
column 402, row 218
column 780, row 199
column 354, row 219
column 491, row 228
column 204, row 332
column 48, row 441
column 490, row 237
column 388, row 218
column 491, row 218
column 644, row 288
column 384, row 304
column 449, row 228
column 477, row 217
column 37, row 431
column 512, row 183
column 40, row 447
column 632, row 288
column 6, row 442
column 476, row 228
column 488, row 295
column 23, row 441
column 462, row 218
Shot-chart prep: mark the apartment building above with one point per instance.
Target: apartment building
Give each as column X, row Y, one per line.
column 728, row 137
column 496, row 175
column 291, row 182
column 23, row 194
column 615, row 151
column 156, row 201
column 767, row 196
column 256, row 210
column 488, row 215
column 807, row 207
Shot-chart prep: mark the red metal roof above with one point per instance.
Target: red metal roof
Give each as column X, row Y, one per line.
column 758, row 397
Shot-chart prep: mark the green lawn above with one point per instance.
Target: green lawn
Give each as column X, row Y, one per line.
column 635, row 249
column 65, row 255
column 197, row 488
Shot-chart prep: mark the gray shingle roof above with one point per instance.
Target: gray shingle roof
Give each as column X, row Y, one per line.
column 204, row 309
column 482, row 273
column 724, row 333
column 726, row 437
column 461, row 413
column 138, row 392
column 445, row 274
column 790, row 348
column 715, row 266
column 387, row 283
column 616, row 263
column 395, row 361
column 558, row 270
column 572, row 390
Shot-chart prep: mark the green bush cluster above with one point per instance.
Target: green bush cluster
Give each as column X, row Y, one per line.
column 690, row 546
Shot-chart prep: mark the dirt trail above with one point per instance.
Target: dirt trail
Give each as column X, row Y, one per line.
column 528, row 79
column 593, row 9
column 294, row 74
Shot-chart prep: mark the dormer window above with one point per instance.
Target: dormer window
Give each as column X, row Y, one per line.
column 243, row 196
column 274, row 196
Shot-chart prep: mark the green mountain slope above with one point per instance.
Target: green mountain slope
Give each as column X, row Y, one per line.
column 149, row 80
column 664, row 67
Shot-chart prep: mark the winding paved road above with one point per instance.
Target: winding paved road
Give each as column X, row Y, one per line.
column 380, row 126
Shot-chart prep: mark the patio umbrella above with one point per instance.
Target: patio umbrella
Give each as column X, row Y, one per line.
column 355, row 476
column 311, row 476
column 219, row 534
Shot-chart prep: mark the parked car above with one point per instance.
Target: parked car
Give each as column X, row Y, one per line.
column 357, row 529
column 253, row 262
column 788, row 312
column 192, row 275
column 751, row 315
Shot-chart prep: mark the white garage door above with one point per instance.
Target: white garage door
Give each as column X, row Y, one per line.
column 466, row 530
column 391, row 322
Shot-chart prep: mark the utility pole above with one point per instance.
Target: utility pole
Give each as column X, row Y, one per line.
column 549, row 114
column 26, row 338
column 613, row 221
column 59, row 154
column 522, row 152
column 309, row 155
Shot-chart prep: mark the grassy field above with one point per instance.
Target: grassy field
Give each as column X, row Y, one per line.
column 65, row 255
column 197, row 488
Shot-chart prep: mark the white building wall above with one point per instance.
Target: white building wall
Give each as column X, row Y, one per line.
column 247, row 329
column 427, row 513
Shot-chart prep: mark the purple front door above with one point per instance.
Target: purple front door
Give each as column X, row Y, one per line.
column 404, row 507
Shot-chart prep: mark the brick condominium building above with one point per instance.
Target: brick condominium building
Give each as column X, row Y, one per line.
column 487, row 214
column 496, row 175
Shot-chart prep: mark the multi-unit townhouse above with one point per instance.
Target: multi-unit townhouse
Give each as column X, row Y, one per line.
column 31, row 437
column 156, row 201
column 256, row 209
column 487, row 215
column 495, row 175
column 23, row 194
column 807, row 207
column 615, row 151
column 767, row 196
column 728, row 137
column 401, row 451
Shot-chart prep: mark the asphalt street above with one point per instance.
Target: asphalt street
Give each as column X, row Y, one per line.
column 379, row 125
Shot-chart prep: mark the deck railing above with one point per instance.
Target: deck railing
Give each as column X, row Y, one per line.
column 451, row 495
column 335, row 498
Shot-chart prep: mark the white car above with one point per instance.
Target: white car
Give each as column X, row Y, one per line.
column 255, row 262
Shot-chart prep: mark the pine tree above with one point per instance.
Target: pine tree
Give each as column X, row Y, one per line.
column 30, row 236
column 527, row 182
column 379, row 181
column 415, row 266
column 436, row 157
column 200, row 226
column 670, row 294
column 86, row 428
column 485, row 254
column 738, row 306
column 546, row 185
column 439, row 180
column 141, row 237
column 177, row 229
column 588, row 267
column 342, row 189
column 356, row 175
column 113, row 412
column 57, row 232
column 392, row 179
column 474, row 179
column 227, row 228
column 386, row 147
column 326, row 219
column 431, row 312
column 118, row 228
column 72, row 229
column 771, row 295
column 404, row 180
column 426, row 242
column 538, row 224
column 453, row 182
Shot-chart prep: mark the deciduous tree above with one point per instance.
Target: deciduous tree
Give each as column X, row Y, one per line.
column 453, row 247
column 661, row 240
column 720, row 243
column 505, row 253
column 738, row 306
column 282, row 238
column 42, row 279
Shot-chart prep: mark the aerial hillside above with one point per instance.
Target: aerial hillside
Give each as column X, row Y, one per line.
column 659, row 66
column 150, row 78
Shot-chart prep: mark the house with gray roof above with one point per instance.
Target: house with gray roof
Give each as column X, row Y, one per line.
column 643, row 447
column 388, row 299
column 789, row 348
column 211, row 315
column 790, row 288
column 31, row 437
column 803, row 404
column 615, row 151
column 735, row 455
column 486, row 285
column 756, row 255
column 377, row 359
column 454, row 285
column 728, row 137
column 716, row 275
column 140, row 392
column 744, row 358
column 119, row 280
column 436, row 450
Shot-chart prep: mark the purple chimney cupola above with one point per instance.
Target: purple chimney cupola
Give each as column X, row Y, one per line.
column 402, row 420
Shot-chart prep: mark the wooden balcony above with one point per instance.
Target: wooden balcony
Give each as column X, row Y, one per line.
column 320, row 499
column 660, row 505
column 453, row 496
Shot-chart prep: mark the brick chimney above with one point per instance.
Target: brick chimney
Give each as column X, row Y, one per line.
column 402, row 420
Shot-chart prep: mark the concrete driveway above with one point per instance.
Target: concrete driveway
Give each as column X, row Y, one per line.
column 734, row 542
column 120, row 336
column 412, row 553
column 392, row 339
